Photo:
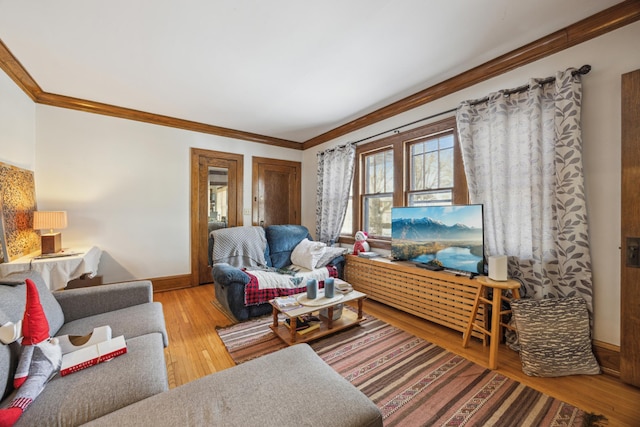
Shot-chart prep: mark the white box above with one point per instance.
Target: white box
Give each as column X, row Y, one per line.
column 92, row 355
column 498, row 268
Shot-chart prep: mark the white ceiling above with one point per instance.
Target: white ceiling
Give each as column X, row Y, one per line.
column 290, row 69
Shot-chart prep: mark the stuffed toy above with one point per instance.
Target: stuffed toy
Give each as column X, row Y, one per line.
column 361, row 244
column 40, row 359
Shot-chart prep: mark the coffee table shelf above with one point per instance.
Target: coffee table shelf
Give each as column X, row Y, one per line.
column 327, row 325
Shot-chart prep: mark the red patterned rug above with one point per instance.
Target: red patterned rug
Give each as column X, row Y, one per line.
column 414, row 382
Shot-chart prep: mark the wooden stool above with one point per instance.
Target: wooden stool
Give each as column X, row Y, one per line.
column 496, row 313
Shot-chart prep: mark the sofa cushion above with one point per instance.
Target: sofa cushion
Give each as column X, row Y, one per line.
column 98, row 390
column 244, row 396
column 554, row 337
column 282, row 239
column 131, row 322
column 13, row 300
column 79, row 303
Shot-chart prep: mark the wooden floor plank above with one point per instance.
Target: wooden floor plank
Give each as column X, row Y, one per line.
column 195, row 350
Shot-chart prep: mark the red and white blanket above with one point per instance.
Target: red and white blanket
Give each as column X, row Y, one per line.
column 255, row 293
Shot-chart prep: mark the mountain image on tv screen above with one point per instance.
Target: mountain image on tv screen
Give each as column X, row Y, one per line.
column 452, row 235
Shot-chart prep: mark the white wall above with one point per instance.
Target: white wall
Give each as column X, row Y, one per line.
column 17, row 125
column 126, row 186
column 610, row 56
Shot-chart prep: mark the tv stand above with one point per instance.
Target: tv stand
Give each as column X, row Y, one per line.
column 438, row 296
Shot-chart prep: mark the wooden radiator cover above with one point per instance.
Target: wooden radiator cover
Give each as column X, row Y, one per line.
column 440, row 297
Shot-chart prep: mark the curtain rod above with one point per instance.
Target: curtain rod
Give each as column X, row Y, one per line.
column 581, row 71
column 322, row 153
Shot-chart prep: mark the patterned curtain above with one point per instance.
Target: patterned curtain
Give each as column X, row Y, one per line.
column 522, row 154
column 335, row 173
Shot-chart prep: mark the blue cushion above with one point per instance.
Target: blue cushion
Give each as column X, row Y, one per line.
column 224, row 274
column 282, row 239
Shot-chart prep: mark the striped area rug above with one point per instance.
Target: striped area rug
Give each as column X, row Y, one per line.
column 414, row 382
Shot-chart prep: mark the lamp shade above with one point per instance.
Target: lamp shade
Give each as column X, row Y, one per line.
column 49, row 220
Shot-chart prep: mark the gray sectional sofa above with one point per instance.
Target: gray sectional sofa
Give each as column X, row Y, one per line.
column 132, row 389
column 91, row 393
column 291, row 387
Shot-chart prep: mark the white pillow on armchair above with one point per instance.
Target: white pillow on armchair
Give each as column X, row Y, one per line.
column 307, row 253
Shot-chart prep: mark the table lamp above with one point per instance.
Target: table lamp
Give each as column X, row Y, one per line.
column 50, row 220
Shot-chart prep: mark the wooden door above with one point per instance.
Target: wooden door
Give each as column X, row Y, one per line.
column 630, row 268
column 276, row 191
column 204, row 165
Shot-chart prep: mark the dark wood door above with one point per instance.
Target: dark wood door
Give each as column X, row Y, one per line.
column 276, row 191
column 630, row 268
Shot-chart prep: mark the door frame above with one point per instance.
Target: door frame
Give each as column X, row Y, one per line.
column 630, row 228
column 196, row 204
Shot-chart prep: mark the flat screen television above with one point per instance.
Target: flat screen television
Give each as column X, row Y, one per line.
column 453, row 235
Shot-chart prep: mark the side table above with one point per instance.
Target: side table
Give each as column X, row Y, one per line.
column 58, row 271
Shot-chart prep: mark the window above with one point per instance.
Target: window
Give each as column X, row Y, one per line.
column 419, row 167
column 377, row 197
column 431, row 169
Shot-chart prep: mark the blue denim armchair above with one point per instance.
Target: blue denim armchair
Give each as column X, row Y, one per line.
column 230, row 281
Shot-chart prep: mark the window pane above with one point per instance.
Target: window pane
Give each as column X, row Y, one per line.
column 431, row 198
column 379, row 172
column 377, row 215
column 379, row 180
column 370, row 175
column 432, row 145
column 430, row 171
column 218, row 194
column 446, row 141
column 347, row 225
column 417, row 172
column 446, row 168
column 388, row 163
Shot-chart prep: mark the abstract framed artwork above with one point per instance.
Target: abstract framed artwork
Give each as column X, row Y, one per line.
column 17, row 204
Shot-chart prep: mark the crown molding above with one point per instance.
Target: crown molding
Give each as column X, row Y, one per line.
column 603, row 22
column 596, row 25
column 23, row 79
column 17, row 73
column 63, row 101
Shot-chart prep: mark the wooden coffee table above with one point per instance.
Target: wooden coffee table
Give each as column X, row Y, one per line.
column 327, row 325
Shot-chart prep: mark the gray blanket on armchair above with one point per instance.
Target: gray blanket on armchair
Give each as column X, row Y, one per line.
column 240, row 246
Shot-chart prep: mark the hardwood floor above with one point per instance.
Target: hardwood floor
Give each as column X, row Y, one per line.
column 195, row 350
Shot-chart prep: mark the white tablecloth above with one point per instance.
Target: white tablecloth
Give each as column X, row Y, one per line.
column 58, row 271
